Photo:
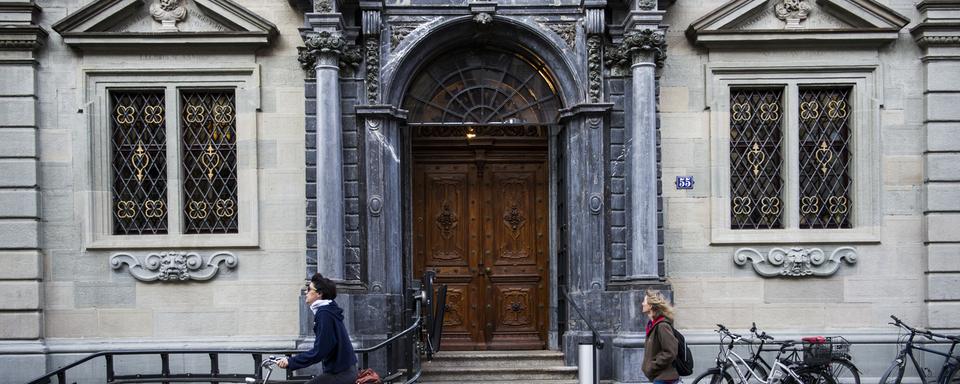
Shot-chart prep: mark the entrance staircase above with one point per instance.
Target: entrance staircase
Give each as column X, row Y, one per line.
column 498, row 367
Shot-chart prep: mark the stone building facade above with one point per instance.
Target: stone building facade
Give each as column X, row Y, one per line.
column 173, row 169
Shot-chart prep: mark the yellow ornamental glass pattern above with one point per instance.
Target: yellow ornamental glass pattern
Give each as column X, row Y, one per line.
column 825, row 183
column 138, row 162
column 208, row 126
column 756, row 159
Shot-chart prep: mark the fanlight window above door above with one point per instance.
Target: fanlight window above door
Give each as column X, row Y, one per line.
column 482, row 87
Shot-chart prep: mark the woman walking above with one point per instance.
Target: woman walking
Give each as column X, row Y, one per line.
column 660, row 348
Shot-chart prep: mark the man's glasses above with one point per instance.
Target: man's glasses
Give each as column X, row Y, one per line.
column 305, row 290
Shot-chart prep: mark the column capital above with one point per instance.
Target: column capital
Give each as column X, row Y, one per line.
column 328, row 47
column 639, row 46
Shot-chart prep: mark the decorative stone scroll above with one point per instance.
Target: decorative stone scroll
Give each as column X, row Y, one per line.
column 796, row 261
column 594, row 72
column 173, row 266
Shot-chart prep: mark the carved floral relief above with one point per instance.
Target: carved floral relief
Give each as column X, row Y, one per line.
column 174, row 265
column 796, row 261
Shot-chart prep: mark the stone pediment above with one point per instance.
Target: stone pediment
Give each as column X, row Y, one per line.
column 106, row 23
column 753, row 23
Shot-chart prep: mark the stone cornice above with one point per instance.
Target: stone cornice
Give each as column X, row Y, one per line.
column 26, row 37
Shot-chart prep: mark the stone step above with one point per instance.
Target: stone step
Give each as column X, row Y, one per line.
column 502, row 359
column 493, row 374
column 510, row 382
column 490, row 367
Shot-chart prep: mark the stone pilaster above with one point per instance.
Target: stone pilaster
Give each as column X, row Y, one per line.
column 21, row 257
column 938, row 34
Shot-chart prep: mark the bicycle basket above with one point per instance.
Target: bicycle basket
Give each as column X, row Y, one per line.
column 820, row 350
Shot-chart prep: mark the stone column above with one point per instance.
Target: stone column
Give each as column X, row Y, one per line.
column 938, row 34
column 21, row 257
column 324, row 46
column 646, row 48
column 642, row 48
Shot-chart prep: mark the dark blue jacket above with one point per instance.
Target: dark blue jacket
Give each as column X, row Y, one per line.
column 332, row 345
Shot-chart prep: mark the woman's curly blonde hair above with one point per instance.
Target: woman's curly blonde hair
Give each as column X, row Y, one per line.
column 659, row 304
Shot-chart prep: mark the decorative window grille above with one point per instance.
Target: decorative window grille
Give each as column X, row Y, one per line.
column 138, row 162
column 482, row 87
column 825, row 157
column 209, row 158
column 756, row 160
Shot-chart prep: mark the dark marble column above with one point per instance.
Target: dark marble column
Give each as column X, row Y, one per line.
column 324, row 45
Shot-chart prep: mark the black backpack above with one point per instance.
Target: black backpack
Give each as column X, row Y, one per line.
column 683, row 363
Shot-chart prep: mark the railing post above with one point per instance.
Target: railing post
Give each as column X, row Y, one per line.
column 165, row 366
column 110, row 372
column 214, row 366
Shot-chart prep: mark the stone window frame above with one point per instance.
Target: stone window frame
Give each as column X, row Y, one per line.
column 97, row 220
column 865, row 145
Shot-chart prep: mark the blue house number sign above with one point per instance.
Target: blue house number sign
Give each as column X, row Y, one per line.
column 684, row 182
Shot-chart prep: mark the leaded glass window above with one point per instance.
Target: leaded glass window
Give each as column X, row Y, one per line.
column 825, row 157
column 209, row 159
column 756, row 159
column 138, row 162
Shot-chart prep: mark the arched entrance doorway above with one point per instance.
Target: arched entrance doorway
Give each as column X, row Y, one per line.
column 479, row 120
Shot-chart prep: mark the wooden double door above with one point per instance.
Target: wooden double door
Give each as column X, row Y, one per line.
column 480, row 221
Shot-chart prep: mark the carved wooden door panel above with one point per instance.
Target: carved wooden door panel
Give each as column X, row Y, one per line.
column 446, row 240
column 484, row 233
column 515, row 249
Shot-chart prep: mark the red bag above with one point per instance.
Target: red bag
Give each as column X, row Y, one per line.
column 368, row 376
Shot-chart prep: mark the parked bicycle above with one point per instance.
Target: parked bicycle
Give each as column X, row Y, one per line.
column 949, row 371
column 837, row 365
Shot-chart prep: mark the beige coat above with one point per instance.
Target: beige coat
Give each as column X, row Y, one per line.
column 660, row 350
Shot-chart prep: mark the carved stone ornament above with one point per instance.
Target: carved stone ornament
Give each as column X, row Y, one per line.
column 372, row 49
column 646, row 40
column 646, row 5
column 566, row 31
column 796, row 261
column 326, row 43
column 594, row 73
column 168, row 13
column 483, row 18
column 174, row 265
column 322, row 6
column 792, row 11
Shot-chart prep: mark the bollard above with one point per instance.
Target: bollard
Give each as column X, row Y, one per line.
column 585, row 358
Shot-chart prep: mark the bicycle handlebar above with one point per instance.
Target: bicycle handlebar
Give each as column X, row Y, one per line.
column 925, row 333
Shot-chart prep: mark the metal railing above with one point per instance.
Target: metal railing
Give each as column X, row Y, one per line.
column 419, row 330
column 596, row 341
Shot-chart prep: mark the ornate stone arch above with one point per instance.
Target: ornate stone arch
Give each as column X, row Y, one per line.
column 504, row 33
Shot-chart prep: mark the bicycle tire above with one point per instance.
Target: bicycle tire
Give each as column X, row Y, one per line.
column 843, row 371
column 894, row 373
column 953, row 377
column 756, row 367
column 713, row 376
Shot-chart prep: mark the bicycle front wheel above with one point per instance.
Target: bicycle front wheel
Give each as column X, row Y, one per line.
column 760, row 372
column 894, row 373
column 843, row 371
column 713, row 376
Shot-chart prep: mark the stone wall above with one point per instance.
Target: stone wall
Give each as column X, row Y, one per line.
column 89, row 306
